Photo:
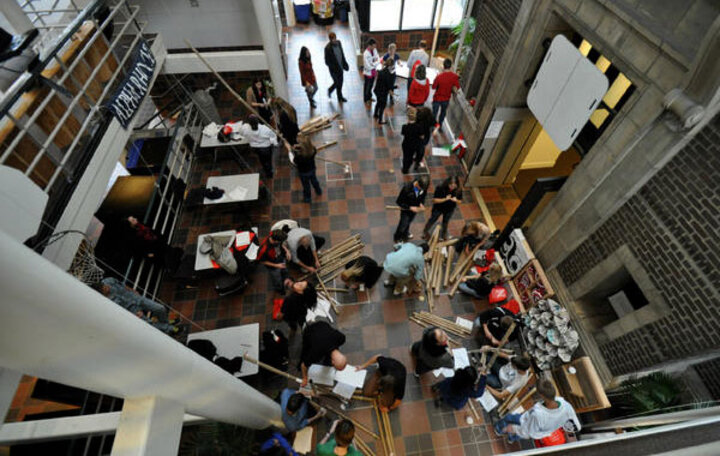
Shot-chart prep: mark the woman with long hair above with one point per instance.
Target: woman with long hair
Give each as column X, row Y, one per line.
column 361, row 273
column 261, row 140
column 307, row 75
column 304, row 160
column 257, row 97
column 287, row 119
column 446, row 197
column 419, row 88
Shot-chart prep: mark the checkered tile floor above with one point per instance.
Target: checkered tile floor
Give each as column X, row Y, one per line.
column 374, row 322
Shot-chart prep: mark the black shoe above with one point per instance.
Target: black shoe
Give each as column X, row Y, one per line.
column 318, row 192
column 405, row 171
column 330, row 91
column 342, row 100
column 313, row 105
column 380, row 122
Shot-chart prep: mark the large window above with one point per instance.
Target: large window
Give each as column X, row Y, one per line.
column 386, row 15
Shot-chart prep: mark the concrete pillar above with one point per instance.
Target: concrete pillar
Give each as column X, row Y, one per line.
column 289, row 12
column 149, row 426
column 9, row 380
column 265, row 17
column 13, row 19
column 55, row 327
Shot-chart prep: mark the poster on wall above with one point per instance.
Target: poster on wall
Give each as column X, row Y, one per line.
column 127, row 99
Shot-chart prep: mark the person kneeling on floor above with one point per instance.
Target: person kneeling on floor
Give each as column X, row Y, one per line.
column 387, row 382
column 405, row 266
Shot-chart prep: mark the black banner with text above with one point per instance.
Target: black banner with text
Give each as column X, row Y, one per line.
column 131, row 92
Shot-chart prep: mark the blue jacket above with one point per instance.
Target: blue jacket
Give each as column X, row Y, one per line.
column 398, row 263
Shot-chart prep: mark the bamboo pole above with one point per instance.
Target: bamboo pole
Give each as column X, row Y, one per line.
column 360, row 426
column 503, row 341
column 398, row 208
column 338, row 290
column 363, row 447
column 327, row 293
column 474, row 411
column 434, row 237
column 326, row 145
column 461, row 266
column 439, row 272
column 340, row 244
column 437, row 31
column 249, row 359
column 520, row 402
column 504, row 406
column 451, row 254
column 447, row 243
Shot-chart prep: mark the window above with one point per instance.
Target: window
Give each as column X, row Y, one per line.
column 386, row 15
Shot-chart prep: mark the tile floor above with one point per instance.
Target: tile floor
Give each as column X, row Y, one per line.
column 374, row 322
column 501, row 203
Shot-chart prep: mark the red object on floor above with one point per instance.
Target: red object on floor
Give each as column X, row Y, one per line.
column 513, row 306
column 497, row 294
column 556, row 438
column 277, row 306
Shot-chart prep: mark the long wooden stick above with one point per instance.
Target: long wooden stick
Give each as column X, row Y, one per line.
column 503, row 341
column 360, row 426
column 451, row 254
column 327, row 293
column 474, row 410
column 398, row 208
column 461, row 266
column 250, row 359
column 326, row 145
column 332, row 161
column 503, row 407
column 520, row 402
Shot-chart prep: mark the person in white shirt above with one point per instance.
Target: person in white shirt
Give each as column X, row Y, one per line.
column 542, row 419
column 261, row 140
column 512, row 376
column 416, row 55
column 370, row 61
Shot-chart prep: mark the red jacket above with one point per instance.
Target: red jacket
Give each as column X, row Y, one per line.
column 307, row 75
column 418, row 92
column 443, row 85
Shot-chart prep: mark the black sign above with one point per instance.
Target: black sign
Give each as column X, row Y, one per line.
column 128, row 97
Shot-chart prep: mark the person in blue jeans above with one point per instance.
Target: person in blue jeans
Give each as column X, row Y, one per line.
column 304, row 160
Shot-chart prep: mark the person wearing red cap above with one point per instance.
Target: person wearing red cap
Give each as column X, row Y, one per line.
column 444, row 85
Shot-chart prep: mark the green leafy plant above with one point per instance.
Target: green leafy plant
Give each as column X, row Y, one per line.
column 457, row 31
column 653, row 392
column 218, row 439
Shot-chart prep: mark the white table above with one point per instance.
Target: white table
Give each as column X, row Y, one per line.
column 212, row 141
column 402, row 71
column 202, row 260
column 235, row 341
column 250, row 182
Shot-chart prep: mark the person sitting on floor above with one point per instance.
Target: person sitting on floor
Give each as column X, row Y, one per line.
column 273, row 254
column 405, row 266
column 544, row 418
column 303, row 247
column 148, row 310
column 473, row 233
column 297, row 412
column 361, row 273
column 480, row 286
column 301, row 297
column 456, row 390
column 321, row 345
column 342, row 432
column 387, row 382
column 491, row 325
column 431, row 352
column 505, row 378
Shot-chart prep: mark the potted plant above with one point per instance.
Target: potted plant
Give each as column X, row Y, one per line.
column 457, row 31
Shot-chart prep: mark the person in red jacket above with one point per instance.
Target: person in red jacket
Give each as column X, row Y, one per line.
column 419, row 89
column 307, row 75
column 444, row 85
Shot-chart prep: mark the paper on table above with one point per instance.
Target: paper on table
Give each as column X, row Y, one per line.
column 303, row 440
column 351, row 377
column 440, row 152
column 242, row 238
column 460, row 355
column 252, row 251
column 344, row 390
column 322, row 375
column 488, row 401
column 238, row 193
column 464, row 322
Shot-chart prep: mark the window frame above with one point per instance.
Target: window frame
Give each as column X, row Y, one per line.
column 402, row 14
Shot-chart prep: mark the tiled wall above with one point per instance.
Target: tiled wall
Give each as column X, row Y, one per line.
column 671, row 225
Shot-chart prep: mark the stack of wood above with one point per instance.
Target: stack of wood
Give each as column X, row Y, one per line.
column 317, row 124
column 386, row 435
column 427, row 319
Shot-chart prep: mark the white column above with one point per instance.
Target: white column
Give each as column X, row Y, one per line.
column 264, row 14
column 55, row 327
column 13, row 19
column 149, row 426
column 289, row 12
column 9, row 380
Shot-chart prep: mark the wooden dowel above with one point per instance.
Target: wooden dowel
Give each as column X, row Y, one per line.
column 332, row 161
column 503, row 341
column 338, row 290
column 327, row 293
column 249, row 359
column 434, row 237
column 446, row 243
column 474, row 410
column 466, row 261
column 521, row 401
column 451, row 254
column 398, row 208
column 326, row 145
column 360, row 426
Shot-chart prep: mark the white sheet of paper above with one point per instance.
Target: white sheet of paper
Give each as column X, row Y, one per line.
column 322, row 375
column 344, row 390
column 351, row 377
column 242, row 238
column 252, row 251
column 460, row 356
column 303, row 440
column 488, row 401
column 444, row 371
column 322, row 309
column 464, row 322
column 238, row 193
column 440, row 152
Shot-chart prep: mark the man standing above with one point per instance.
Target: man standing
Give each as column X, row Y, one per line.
column 417, row 55
column 370, row 61
column 444, row 85
column 411, row 199
column 336, row 63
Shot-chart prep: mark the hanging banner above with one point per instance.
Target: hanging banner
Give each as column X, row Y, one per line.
column 131, row 92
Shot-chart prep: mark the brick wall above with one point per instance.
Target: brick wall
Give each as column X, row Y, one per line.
column 679, row 206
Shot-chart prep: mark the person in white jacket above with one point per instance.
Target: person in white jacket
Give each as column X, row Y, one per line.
column 370, row 62
column 542, row 419
column 261, row 140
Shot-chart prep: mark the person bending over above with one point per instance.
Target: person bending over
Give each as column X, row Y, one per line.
column 361, row 273
column 273, row 254
column 387, row 382
column 431, row 352
column 405, row 266
column 491, row 325
column 321, row 345
column 297, row 412
column 473, row 233
column 480, row 286
column 301, row 297
column 458, row 389
column 303, row 248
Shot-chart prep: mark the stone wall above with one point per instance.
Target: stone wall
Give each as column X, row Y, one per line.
column 671, row 226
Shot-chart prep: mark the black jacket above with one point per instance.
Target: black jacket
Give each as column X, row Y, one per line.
column 384, row 83
column 408, row 198
column 332, row 62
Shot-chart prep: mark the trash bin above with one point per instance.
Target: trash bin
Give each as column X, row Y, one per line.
column 342, row 7
column 302, row 10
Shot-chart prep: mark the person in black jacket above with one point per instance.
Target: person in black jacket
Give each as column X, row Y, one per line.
column 413, row 139
column 426, row 124
column 301, row 297
column 361, row 273
column 287, row 120
column 304, row 160
column 446, row 197
column 336, row 63
column 321, row 345
column 383, row 86
column 411, row 199
column 431, row 352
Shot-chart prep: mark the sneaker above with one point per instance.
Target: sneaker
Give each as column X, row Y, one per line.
column 361, row 287
column 387, row 283
column 410, row 236
column 330, row 91
column 397, row 292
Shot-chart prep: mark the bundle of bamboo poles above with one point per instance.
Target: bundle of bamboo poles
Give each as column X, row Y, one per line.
column 440, row 322
column 317, row 124
column 424, row 324
column 439, row 258
column 386, row 435
column 362, row 446
column 511, row 400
